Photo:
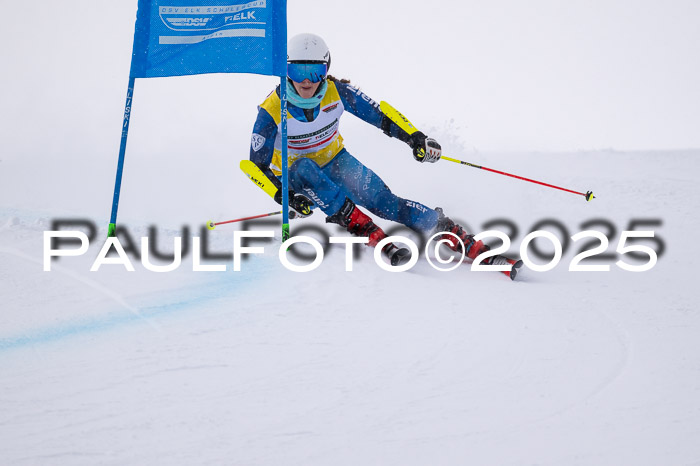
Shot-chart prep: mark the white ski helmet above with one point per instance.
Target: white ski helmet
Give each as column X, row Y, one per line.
column 309, row 48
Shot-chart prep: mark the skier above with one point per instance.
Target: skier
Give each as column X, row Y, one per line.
column 323, row 173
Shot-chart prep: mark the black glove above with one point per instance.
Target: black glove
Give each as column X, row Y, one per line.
column 425, row 149
column 300, row 203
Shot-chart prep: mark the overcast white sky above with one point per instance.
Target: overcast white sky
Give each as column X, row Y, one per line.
column 542, row 74
column 535, row 76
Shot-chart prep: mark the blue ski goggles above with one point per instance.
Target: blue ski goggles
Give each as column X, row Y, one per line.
column 314, row 72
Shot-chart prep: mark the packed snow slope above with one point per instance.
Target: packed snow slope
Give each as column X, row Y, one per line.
column 266, row 366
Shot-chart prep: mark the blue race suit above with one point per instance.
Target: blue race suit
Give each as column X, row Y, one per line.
column 319, row 165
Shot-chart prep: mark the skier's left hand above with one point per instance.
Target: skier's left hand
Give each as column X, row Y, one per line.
column 301, row 204
column 425, row 149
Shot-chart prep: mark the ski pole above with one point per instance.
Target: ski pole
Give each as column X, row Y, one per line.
column 588, row 195
column 403, row 123
column 212, row 224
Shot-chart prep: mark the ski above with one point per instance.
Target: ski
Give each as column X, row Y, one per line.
column 257, row 176
column 515, row 265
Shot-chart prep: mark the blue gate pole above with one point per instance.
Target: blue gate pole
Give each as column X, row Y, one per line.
column 285, row 181
column 122, row 153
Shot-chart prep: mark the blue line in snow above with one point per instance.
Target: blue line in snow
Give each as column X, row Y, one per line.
column 59, row 332
column 225, row 286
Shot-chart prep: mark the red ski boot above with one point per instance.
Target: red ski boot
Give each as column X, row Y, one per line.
column 473, row 248
column 359, row 224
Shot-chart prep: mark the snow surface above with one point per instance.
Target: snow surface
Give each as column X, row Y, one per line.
column 271, row 367
column 266, row 366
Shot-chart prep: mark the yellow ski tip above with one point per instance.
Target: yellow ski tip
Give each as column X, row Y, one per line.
column 258, row 177
column 397, row 117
